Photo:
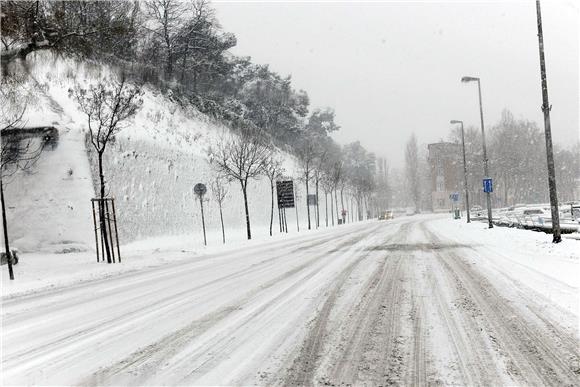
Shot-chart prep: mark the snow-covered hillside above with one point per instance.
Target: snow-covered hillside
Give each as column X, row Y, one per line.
column 150, row 170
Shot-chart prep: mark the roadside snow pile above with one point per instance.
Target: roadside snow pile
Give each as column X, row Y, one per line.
column 150, row 169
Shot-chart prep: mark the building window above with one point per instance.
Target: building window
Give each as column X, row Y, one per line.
column 440, row 183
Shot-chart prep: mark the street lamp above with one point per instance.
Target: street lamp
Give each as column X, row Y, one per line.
column 485, row 170
column 464, row 169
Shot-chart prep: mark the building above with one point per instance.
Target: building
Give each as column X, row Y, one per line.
column 445, row 166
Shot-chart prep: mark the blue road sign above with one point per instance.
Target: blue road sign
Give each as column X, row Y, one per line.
column 487, row 185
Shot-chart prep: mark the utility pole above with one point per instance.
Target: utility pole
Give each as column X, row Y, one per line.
column 546, row 107
column 464, row 169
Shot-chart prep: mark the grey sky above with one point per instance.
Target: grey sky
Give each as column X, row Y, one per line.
column 393, row 68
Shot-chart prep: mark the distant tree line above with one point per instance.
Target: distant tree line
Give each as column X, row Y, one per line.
column 517, row 162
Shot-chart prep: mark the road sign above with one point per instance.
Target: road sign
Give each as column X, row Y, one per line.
column 454, row 196
column 285, row 190
column 200, row 189
column 311, row 199
column 487, row 185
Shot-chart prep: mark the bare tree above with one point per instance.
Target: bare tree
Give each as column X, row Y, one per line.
column 107, row 106
column 337, row 177
column 167, row 19
column 307, row 152
column 273, row 170
column 318, row 176
column 327, row 188
column 412, row 171
column 241, row 158
column 220, row 191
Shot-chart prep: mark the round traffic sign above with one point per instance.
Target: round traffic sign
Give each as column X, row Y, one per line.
column 200, row 189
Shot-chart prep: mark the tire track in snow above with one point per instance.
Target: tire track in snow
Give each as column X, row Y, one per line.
column 533, row 354
column 305, row 364
column 202, row 359
column 53, row 297
column 417, row 353
column 152, row 357
column 151, row 280
column 63, row 348
column 476, row 365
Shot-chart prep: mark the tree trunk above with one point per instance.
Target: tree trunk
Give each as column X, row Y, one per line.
column 505, row 191
column 244, row 192
column 317, row 207
column 331, row 208
column 342, row 204
column 307, row 204
column 326, row 206
column 222, row 221
column 350, row 209
column 296, row 208
column 272, row 211
column 102, row 219
column 336, row 205
column 5, row 225
column 185, row 52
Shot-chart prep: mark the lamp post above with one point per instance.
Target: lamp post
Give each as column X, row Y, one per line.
column 464, row 169
column 485, row 170
column 557, row 238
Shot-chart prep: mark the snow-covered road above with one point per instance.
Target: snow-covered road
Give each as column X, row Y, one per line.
column 398, row 302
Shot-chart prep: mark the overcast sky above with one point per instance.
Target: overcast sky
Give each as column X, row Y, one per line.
column 393, row 68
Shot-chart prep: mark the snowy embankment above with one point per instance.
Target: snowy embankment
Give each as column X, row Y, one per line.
column 150, row 170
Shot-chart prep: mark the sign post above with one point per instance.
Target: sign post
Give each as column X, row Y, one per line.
column 455, row 199
column 285, row 193
column 200, row 190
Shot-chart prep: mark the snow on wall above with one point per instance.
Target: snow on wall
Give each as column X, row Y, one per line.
column 153, row 190
column 47, row 207
column 150, row 170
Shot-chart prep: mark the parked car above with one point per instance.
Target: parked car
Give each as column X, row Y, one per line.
column 575, row 212
column 534, row 211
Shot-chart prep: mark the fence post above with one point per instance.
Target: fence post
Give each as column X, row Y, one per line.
column 108, row 216
column 116, row 231
column 95, row 224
